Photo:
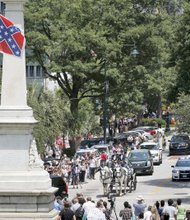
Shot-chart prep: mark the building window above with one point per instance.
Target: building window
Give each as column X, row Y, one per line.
column 27, row 70
column 31, row 71
column 38, row 71
column 2, row 5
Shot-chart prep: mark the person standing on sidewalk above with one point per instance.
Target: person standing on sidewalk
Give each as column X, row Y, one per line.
column 96, row 213
column 92, row 167
column 88, row 205
column 83, row 168
column 126, row 213
column 75, row 170
column 170, row 210
column 181, row 210
column 139, row 206
column 66, row 213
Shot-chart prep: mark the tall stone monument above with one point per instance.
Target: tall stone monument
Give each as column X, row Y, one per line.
column 25, row 188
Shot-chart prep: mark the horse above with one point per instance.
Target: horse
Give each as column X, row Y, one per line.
column 106, row 178
column 120, row 179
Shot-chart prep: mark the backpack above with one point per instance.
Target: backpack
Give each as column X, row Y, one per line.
column 79, row 212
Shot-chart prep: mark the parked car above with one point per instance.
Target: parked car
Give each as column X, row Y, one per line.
column 155, row 150
column 88, row 143
column 91, row 151
column 128, row 137
column 102, row 147
column 59, row 182
column 181, row 170
column 150, row 129
column 81, row 152
column 146, row 135
column 141, row 161
column 179, row 144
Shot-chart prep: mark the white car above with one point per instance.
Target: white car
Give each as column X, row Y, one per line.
column 102, row 147
column 155, row 150
column 146, row 135
column 181, row 170
column 81, row 152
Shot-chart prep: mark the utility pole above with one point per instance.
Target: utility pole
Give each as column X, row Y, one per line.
column 105, row 113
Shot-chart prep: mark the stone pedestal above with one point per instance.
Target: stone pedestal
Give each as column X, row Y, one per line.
column 25, row 188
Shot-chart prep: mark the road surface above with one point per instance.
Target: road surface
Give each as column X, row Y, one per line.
column 152, row 187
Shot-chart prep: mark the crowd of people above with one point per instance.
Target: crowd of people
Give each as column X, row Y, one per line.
column 160, row 210
column 75, row 171
column 81, row 208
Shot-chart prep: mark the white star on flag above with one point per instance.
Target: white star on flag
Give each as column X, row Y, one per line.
column 11, row 38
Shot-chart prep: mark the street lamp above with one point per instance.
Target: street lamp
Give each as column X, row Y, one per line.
column 106, row 87
column 134, row 52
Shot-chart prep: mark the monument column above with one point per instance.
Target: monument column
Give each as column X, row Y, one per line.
column 14, row 68
column 25, row 188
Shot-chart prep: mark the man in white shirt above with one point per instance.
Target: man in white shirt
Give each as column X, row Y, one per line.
column 171, row 210
column 88, row 205
column 148, row 213
column 96, row 213
column 92, row 167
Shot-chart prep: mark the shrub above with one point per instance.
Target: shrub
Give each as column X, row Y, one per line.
column 153, row 122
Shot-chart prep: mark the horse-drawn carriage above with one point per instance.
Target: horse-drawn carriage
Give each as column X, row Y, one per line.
column 120, row 178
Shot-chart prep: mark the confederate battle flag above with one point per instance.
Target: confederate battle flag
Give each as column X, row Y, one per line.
column 11, row 38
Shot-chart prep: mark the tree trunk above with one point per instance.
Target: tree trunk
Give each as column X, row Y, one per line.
column 74, row 105
column 74, row 108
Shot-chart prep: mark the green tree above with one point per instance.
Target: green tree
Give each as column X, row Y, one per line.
column 73, row 41
column 181, row 111
column 76, row 42
column 181, row 54
column 49, row 112
column 148, row 78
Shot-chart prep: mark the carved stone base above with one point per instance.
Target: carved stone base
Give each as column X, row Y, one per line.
column 25, row 205
column 29, row 216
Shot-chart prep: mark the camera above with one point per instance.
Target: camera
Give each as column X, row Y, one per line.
column 111, row 200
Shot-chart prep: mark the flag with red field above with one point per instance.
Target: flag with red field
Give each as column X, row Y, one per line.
column 11, row 38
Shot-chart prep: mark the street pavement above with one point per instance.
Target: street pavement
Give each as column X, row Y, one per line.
column 156, row 187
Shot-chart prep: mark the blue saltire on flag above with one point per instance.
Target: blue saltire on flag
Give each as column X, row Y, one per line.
column 11, row 38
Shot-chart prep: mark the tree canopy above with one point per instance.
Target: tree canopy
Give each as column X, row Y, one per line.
column 83, row 43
